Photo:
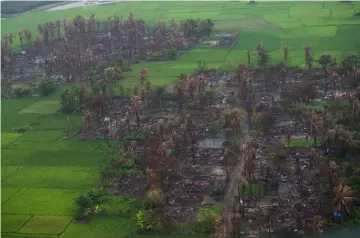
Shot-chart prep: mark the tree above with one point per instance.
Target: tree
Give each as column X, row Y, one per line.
column 46, row 86
column 350, row 62
column 353, row 179
column 250, row 157
column 286, row 53
column 135, row 108
column 278, row 155
column 314, row 158
column 288, row 133
column 349, row 141
column 307, row 91
column 317, row 224
column 263, row 55
column 326, row 60
column 343, row 197
column 333, row 174
column 143, row 76
column 20, row 38
column 266, row 119
column 249, row 56
column 73, row 100
column 112, row 73
column 69, row 102
column 308, row 56
column 320, row 124
column 232, row 118
column 205, row 27
column 87, row 119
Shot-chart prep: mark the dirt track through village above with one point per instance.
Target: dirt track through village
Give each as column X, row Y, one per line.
column 235, row 179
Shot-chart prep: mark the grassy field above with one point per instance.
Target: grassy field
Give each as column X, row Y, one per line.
column 329, row 27
column 42, row 174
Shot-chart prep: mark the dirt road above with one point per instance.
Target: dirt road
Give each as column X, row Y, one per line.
column 235, row 179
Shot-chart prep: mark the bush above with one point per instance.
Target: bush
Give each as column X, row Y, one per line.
column 206, row 220
column 146, row 221
column 153, row 198
column 171, row 52
column 19, row 91
column 72, row 100
column 90, row 204
column 46, row 86
column 22, row 129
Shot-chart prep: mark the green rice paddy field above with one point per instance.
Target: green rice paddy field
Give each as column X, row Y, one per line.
column 42, row 174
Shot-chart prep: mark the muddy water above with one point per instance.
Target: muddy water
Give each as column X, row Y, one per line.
column 78, row 4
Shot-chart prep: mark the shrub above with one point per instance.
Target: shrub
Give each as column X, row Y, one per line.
column 19, row 91
column 68, row 102
column 206, row 220
column 90, row 204
column 202, row 66
column 171, row 52
column 182, row 76
column 25, row 91
column 22, row 129
column 72, row 100
column 153, row 198
column 46, row 86
column 146, row 221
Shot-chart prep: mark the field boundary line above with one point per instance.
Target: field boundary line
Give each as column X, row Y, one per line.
column 3, row 179
column 65, row 228
column 31, row 234
column 31, row 216
column 3, row 202
column 41, row 215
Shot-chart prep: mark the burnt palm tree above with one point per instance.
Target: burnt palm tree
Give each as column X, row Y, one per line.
column 286, row 49
column 143, row 76
column 135, row 106
column 27, row 35
column 10, row 37
column 149, row 94
column 278, row 155
column 314, row 158
column 58, row 28
column 333, row 174
column 349, row 141
column 112, row 73
column 308, row 56
column 87, row 119
column 232, row 118
column 322, row 123
column 248, row 53
column 161, row 125
column 317, row 224
column 250, row 157
column 259, row 49
column 20, row 38
column 343, row 197
column 326, row 60
column 288, row 134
